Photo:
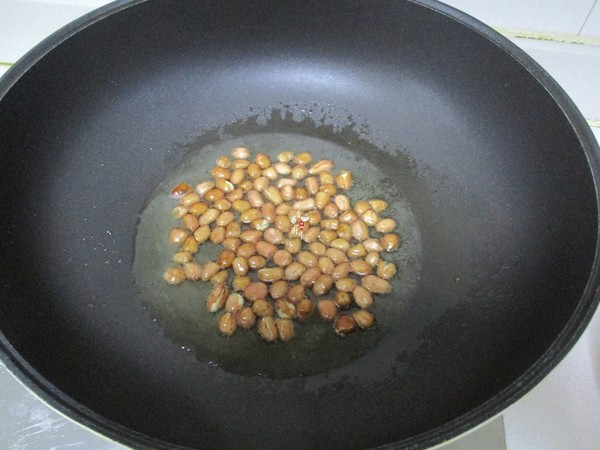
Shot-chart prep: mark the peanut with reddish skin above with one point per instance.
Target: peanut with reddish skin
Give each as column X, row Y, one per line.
column 285, row 329
column 217, row 297
column 344, row 325
column 245, row 318
column 327, row 309
column 227, row 324
column 256, row 290
column 262, row 308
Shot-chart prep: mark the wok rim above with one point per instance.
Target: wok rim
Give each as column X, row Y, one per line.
column 560, row 347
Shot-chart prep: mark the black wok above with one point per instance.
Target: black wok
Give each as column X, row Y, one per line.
column 488, row 153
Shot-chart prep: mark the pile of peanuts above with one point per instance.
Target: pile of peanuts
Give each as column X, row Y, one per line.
column 291, row 239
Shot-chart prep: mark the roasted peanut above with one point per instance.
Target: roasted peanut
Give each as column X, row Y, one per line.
column 378, row 205
column 174, row 275
column 285, row 329
column 208, row 270
column 262, row 308
column 283, row 209
column 278, row 289
column 331, row 211
column 326, row 265
column 270, row 173
column 179, row 211
column 282, row 258
column 241, row 205
column 309, row 276
column 271, row 274
column 360, row 267
column 273, row 236
column 234, row 230
column 348, row 216
column 343, row 299
column 326, row 177
column 360, row 231
column 340, row 271
column 268, row 212
column 321, row 166
column 327, row 236
column 312, row 185
column 265, row 249
column 293, row 245
column 262, row 160
column 294, row 271
column 190, row 222
column 272, row 194
column 299, row 172
column 246, row 250
column 304, row 308
column 245, row 318
column 204, row 187
column 220, row 277
column 209, row 216
column 260, row 183
column 252, row 236
column 386, row 270
column 296, row 293
column 253, row 171
column 317, row 248
column 256, row 262
column 345, row 284
column 182, row 257
column 214, row 194
column 239, row 266
column 336, row 255
column 234, row 302
column 192, row 270
column 285, row 156
column 225, row 259
column 356, row 251
column 224, row 185
column 217, row 297
column 180, row 190
column 198, row 208
column 303, row 158
column 390, row 242
column 327, row 309
column 376, row 285
column 282, row 168
column 190, row 245
column 239, row 164
column 249, row 215
column 287, row 193
column 372, row 258
column 344, row 231
column 344, row 180
column 311, row 235
column 224, row 219
column 267, row 329
column 178, row 235
column 189, row 199
column 240, row 153
column 372, row 245
column 340, row 244
column 237, row 176
column 304, row 205
column 255, row 198
column 227, row 324
column 322, row 284
column 283, row 223
column 321, row 199
column 240, row 283
column 363, row 318
column 256, row 290
column 285, row 309
column 385, row 225
column 217, row 235
column 370, row 217
column 344, row 325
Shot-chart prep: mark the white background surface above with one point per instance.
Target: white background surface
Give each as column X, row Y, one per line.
column 561, row 412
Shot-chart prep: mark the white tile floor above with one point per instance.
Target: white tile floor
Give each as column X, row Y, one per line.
column 562, row 412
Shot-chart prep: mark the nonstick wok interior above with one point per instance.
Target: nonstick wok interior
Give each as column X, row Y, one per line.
column 495, row 162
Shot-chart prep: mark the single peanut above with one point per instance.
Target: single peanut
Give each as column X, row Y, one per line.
column 273, row 236
column 386, row 270
column 217, row 297
column 285, row 309
column 344, row 180
column 327, row 309
column 322, row 284
column 174, row 275
column 267, row 328
column 344, row 325
column 178, row 235
column 376, row 285
column 240, row 283
column 217, row 235
column 310, row 275
column 294, row 271
column 239, row 266
column 262, row 308
column 246, row 250
column 340, row 271
column 343, row 299
column 390, row 242
column 272, row 194
column 363, row 318
column 345, row 284
column 198, row 208
column 192, row 271
column 303, row 158
column 278, row 289
column 285, row 329
column 189, row 199
column 256, row 290
column 227, row 324
column 271, row 274
column 240, row 153
column 256, row 262
column 378, row 205
column 190, row 245
column 180, row 190
column 234, row 302
column 282, row 258
column 245, row 318
column 356, row 251
column 304, row 308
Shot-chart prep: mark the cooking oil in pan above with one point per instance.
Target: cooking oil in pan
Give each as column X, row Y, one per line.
column 181, row 309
